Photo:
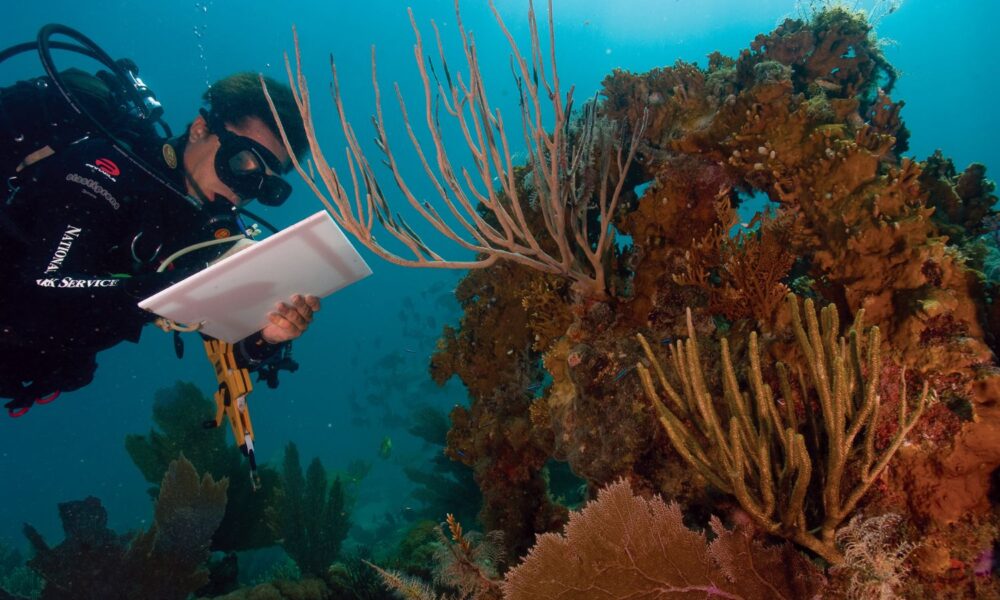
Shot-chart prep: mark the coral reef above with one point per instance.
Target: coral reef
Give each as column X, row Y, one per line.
column 415, row 553
column 469, row 562
column 495, row 436
column 874, row 447
column 310, row 517
column 163, row 562
column 803, row 118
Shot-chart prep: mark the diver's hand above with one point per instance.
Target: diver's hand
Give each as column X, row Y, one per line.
column 288, row 321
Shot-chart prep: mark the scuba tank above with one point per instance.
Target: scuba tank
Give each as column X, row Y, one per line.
column 61, row 107
column 33, row 115
column 41, row 115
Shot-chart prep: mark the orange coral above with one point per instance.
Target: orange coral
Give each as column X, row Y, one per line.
column 496, row 435
column 742, row 275
column 548, row 310
column 834, row 52
column 494, row 336
column 754, row 265
column 456, row 533
column 705, row 254
column 962, row 201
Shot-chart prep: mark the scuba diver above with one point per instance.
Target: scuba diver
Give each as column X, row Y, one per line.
column 100, row 202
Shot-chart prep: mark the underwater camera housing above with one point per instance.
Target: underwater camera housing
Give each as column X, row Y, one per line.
column 62, row 107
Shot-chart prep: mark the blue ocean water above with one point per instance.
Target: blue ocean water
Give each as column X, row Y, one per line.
column 367, row 348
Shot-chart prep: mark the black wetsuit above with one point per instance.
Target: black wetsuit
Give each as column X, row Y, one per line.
column 80, row 242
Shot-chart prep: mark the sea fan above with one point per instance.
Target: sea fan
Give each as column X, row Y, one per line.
column 623, row 546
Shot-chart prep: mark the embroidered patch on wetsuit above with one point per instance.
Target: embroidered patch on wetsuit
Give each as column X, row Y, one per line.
column 170, row 156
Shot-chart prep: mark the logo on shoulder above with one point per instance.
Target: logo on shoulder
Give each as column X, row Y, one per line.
column 94, row 189
column 169, row 156
column 106, row 167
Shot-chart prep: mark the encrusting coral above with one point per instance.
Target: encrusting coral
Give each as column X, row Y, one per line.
column 495, row 436
column 163, row 562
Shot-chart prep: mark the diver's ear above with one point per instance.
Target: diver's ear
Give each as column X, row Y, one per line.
column 198, row 129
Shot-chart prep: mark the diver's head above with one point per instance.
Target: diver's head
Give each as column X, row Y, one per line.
column 234, row 150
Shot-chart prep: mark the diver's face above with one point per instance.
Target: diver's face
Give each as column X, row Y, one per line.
column 199, row 157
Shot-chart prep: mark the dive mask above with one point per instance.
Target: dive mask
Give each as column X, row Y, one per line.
column 247, row 167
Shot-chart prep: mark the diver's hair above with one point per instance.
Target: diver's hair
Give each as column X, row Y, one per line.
column 240, row 96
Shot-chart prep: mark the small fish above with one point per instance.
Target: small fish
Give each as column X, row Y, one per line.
column 534, row 388
column 667, row 341
column 623, row 372
column 826, row 84
column 385, row 448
